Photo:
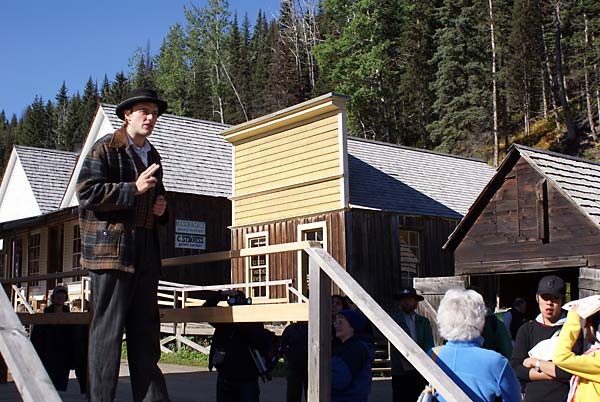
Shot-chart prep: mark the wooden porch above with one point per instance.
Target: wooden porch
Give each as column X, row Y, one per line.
column 324, row 270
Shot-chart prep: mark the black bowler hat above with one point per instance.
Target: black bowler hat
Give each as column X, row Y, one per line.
column 409, row 292
column 140, row 95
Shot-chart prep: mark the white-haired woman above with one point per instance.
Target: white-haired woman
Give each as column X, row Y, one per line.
column 484, row 375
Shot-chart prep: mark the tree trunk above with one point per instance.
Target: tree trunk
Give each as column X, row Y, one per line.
column 544, row 96
column 588, row 100
column 494, row 89
column 550, row 80
column 560, row 78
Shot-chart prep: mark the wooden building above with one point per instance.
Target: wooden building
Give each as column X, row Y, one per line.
column 38, row 205
column 539, row 214
column 383, row 211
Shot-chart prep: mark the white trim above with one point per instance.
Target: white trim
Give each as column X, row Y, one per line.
column 99, row 123
column 303, row 227
column 247, row 238
column 343, row 155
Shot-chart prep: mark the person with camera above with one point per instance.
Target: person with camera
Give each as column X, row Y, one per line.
column 238, row 352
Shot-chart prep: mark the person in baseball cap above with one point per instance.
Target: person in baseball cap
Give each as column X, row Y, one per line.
column 541, row 379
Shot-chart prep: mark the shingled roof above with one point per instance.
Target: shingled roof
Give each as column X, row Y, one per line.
column 48, row 172
column 413, row 181
column 579, row 179
column 196, row 158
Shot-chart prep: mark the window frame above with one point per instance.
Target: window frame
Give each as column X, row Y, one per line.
column 248, row 237
column 406, row 279
column 303, row 228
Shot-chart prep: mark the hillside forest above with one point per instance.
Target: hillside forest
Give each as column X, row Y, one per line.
column 467, row 77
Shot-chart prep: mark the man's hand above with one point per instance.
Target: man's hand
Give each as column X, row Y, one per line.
column 146, row 179
column 160, row 204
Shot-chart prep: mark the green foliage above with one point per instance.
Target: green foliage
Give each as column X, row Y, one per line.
column 419, row 72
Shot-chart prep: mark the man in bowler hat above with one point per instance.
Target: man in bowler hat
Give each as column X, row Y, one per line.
column 407, row 383
column 121, row 200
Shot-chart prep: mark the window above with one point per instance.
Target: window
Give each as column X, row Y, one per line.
column 257, row 266
column 33, row 260
column 76, row 256
column 316, row 231
column 410, row 252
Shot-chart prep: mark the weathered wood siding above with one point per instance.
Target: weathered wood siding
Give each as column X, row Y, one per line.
column 507, row 236
column 288, row 172
column 216, row 213
column 285, row 265
column 374, row 257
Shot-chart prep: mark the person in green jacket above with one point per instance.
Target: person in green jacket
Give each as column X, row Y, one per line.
column 407, row 383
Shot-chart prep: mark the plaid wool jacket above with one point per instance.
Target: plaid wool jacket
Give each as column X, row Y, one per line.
column 107, row 210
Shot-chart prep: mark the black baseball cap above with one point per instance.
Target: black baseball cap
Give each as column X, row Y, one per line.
column 551, row 285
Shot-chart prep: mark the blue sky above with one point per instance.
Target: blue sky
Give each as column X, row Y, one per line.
column 43, row 42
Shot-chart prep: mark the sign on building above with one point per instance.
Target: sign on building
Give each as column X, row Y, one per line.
column 190, row 234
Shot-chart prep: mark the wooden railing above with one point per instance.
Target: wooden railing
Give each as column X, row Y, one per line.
column 323, row 271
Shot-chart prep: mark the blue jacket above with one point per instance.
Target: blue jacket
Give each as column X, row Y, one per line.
column 351, row 371
column 424, row 339
column 482, row 374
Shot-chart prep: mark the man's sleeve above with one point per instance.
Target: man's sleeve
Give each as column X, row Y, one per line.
column 428, row 338
column 95, row 192
column 520, row 353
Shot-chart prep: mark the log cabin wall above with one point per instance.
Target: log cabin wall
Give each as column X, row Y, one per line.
column 216, row 213
column 285, row 265
column 526, row 227
column 374, row 250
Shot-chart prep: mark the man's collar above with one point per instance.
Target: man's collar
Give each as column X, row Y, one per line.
column 119, row 139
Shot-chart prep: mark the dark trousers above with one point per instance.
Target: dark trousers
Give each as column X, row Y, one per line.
column 297, row 384
column 229, row 390
column 125, row 301
column 408, row 386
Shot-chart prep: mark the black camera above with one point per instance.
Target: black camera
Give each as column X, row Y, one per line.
column 239, row 299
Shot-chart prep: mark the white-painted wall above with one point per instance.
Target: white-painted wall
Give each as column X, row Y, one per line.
column 18, row 201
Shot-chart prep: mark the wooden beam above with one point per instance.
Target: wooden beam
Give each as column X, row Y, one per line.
column 319, row 335
column 27, row 370
column 64, row 319
column 56, row 275
column 246, row 252
column 251, row 313
column 388, row 327
column 281, row 312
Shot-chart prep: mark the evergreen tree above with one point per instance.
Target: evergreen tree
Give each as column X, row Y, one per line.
column 74, row 125
column 142, row 66
column 105, row 90
column 118, row 90
column 61, row 116
column 524, row 58
column 462, row 78
column 89, row 105
column 261, row 59
column 33, row 130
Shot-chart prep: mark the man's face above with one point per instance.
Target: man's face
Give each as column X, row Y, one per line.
column 141, row 119
column 408, row 304
column 59, row 299
column 549, row 307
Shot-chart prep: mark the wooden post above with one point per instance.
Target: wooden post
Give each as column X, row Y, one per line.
column 319, row 335
column 388, row 327
column 29, row 374
column 176, row 324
